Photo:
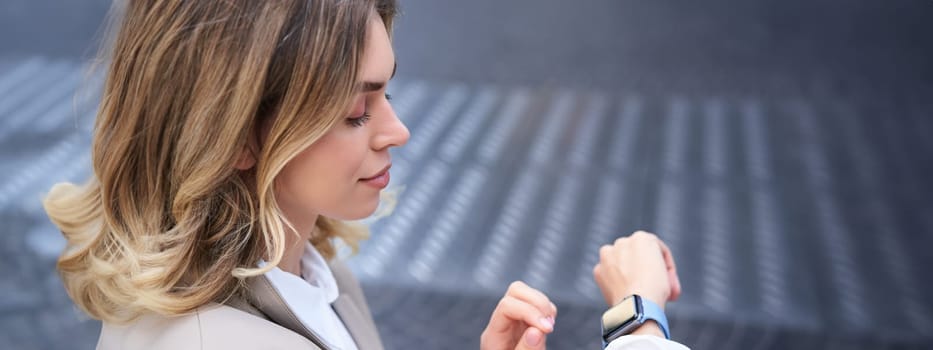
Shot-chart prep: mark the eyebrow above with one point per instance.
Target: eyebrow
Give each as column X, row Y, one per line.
column 370, row 86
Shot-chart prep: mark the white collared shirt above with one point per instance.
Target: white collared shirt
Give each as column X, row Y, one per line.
column 310, row 298
column 644, row 342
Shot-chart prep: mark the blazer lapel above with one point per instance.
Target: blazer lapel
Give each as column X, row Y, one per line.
column 352, row 309
column 350, row 306
column 366, row 338
column 267, row 300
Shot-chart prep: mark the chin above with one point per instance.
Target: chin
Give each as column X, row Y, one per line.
column 360, row 212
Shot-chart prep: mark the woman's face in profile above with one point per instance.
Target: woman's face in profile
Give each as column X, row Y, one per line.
column 328, row 178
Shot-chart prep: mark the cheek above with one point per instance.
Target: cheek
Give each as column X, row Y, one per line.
column 322, row 178
column 341, row 157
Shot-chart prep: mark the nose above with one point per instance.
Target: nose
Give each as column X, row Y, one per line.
column 393, row 132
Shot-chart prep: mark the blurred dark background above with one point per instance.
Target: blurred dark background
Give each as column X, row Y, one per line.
column 782, row 148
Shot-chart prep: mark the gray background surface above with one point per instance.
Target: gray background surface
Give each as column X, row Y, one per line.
column 782, row 148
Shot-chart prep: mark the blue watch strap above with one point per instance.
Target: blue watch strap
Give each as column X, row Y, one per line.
column 654, row 312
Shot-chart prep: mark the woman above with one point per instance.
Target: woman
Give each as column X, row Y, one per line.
column 233, row 141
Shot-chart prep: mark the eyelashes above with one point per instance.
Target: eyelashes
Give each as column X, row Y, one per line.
column 357, row 122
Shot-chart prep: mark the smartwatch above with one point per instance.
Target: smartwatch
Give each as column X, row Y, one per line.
column 629, row 314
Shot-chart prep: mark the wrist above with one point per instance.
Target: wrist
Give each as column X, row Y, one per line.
column 634, row 315
column 659, row 300
column 649, row 328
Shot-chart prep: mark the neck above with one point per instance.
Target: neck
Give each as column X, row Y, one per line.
column 295, row 247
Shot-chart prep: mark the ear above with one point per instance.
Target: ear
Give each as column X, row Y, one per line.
column 250, row 152
column 246, row 160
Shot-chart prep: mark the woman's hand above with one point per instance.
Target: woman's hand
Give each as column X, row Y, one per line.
column 639, row 264
column 522, row 320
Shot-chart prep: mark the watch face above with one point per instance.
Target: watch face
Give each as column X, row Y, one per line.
column 622, row 314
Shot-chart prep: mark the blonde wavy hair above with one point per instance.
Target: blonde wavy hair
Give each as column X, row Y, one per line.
column 166, row 223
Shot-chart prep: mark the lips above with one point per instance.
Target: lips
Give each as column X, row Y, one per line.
column 380, row 173
column 378, row 181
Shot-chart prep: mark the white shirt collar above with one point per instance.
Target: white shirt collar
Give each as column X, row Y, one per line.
column 310, row 297
column 316, row 271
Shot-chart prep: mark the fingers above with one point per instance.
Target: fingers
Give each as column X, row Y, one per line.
column 532, row 296
column 532, row 339
column 518, row 310
column 643, row 235
column 671, row 270
column 608, row 293
column 605, row 252
column 523, row 304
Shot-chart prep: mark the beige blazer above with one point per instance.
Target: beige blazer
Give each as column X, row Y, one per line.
column 260, row 320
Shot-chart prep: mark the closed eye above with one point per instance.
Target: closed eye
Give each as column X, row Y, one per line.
column 359, row 121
